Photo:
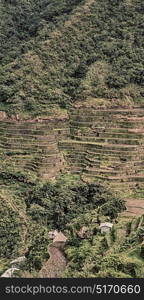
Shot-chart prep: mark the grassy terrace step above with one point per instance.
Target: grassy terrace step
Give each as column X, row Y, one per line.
column 26, row 126
column 27, row 132
column 29, row 142
column 26, row 129
column 108, row 117
column 72, row 159
column 6, row 133
column 128, row 178
column 36, row 149
column 77, row 158
column 138, row 163
column 125, row 141
column 138, row 178
column 98, row 145
column 114, row 135
column 25, row 137
column 112, row 130
column 114, row 110
column 108, row 154
column 116, row 185
column 114, row 160
column 135, row 184
column 115, row 119
column 35, row 161
column 75, row 152
column 108, row 112
column 77, row 165
column 90, row 160
column 130, row 125
column 118, row 120
column 19, row 152
column 105, row 154
column 101, row 152
column 104, row 112
column 98, row 171
column 73, row 168
column 28, row 156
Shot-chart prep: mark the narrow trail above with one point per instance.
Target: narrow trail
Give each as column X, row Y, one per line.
column 55, row 265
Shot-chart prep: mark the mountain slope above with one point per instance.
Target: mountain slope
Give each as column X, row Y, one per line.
column 71, row 133
column 77, row 49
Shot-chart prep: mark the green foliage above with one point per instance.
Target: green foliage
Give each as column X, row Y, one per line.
column 113, row 234
column 58, row 52
column 21, row 177
column 142, row 251
column 38, row 249
column 98, row 259
column 57, row 205
column 10, row 227
column 112, row 208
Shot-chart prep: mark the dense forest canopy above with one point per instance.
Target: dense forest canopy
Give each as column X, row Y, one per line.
column 55, row 205
column 64, row 51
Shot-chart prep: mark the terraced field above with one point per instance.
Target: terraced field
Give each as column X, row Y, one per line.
column 107, row 145
column 31, row 147
column 97, row 143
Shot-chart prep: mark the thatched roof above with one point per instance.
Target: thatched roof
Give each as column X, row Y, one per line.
column 60, row 237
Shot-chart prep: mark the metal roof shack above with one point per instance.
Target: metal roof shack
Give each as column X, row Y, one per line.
column 106, row 227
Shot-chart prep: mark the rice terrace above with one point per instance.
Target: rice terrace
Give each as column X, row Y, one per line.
column 71, row 139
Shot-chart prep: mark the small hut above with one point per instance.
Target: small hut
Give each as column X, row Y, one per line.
column 106, row 227
column 60, row 237
column 53, row 234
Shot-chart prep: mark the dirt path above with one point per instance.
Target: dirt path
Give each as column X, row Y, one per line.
column 55, row 265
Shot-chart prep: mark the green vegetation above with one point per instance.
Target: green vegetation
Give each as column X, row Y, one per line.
column 37, row 252
column 10, row 227
column 102, row 256
column 68, row 205
column 60, row 60
column 31, row 209
column 57, row 205
column 62, row 51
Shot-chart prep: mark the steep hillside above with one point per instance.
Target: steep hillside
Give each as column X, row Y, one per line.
column 97, row 142
column 62, row 51
column 117, row 254
column 72, row 135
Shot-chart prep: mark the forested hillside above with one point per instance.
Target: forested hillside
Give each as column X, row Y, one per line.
column 72, row 136
column 69, row 50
